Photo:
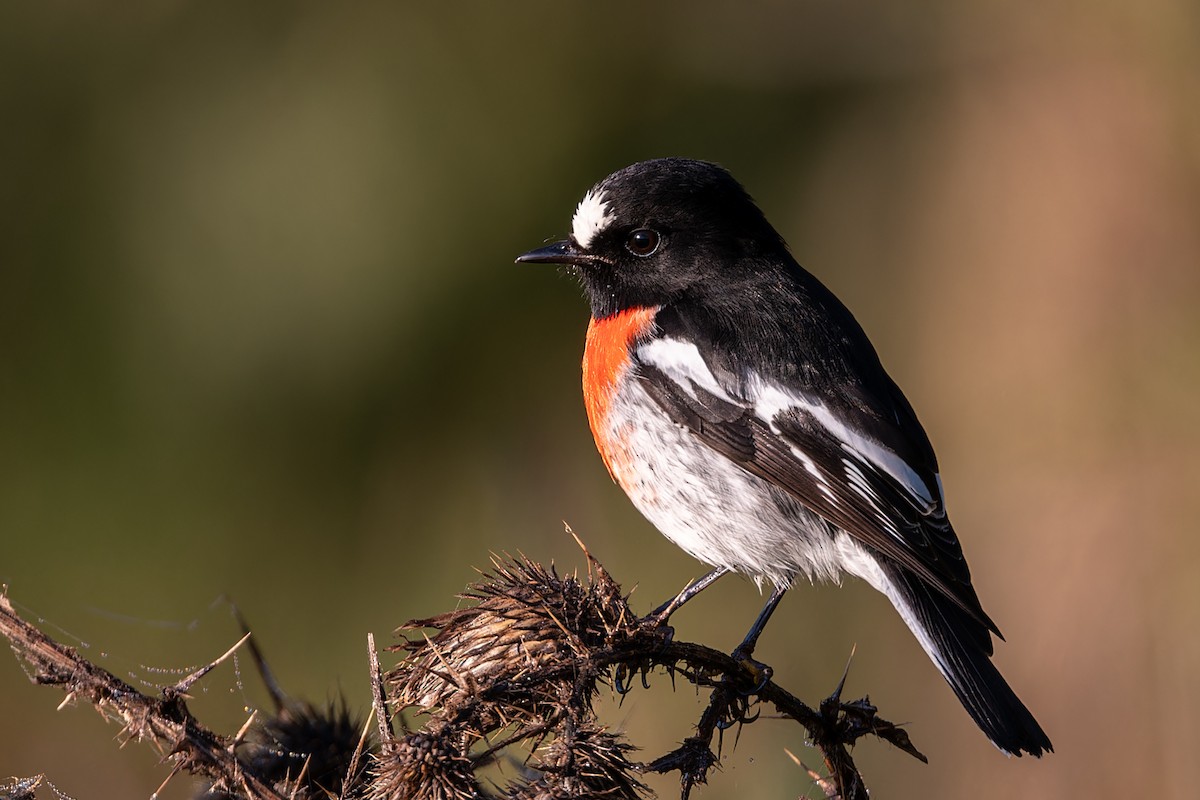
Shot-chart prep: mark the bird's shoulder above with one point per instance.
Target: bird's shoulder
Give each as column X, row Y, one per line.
column 809, row 364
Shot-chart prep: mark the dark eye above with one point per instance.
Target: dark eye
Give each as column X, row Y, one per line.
column 642, row 242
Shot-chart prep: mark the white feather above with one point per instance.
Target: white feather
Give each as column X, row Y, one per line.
column 681, row 361
column 770, row 400
column 591, row 217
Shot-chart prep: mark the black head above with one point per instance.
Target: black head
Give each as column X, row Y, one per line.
column 665, row 231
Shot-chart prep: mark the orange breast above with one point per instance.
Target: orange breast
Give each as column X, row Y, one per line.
column 605, row 360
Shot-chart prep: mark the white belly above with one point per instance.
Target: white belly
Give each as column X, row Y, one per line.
column 717, row 511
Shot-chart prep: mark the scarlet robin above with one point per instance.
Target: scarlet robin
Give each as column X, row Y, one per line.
column 742, row 408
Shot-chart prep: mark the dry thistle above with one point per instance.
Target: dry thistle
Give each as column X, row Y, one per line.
column 305, row 751
column 525, row 618
column 511, row 678
column 427, row 765
column 518, row 668
column 588, row 761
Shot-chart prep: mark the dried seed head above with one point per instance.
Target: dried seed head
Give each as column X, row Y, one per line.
column 303, row 751
column 586, row 762
column 422, row 766
column 323, row 739
column 525, row 617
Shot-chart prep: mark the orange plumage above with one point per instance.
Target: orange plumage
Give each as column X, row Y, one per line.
column 605, row 359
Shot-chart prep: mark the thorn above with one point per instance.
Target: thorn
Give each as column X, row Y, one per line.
column 182, row 687
column 352, row 770
column 837, row 693
column 378, row 697
column 575, row 536
column 278, row 695
column 464, row 681
column 237, row 739
column 174, row 771
column 823, row 783
column 590, row 561
column 300, row 778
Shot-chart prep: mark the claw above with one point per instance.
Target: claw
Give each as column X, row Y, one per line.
column 621, row 680
column 760, row 672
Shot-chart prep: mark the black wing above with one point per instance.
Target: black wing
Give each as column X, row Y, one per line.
column 798, row 452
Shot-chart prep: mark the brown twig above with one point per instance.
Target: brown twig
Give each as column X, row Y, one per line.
column 513, row 675
column 165, row 721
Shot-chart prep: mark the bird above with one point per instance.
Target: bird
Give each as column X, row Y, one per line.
column 743, row 410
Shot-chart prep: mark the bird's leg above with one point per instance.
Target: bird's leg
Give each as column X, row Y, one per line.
column 663, row 613
column 746, row 649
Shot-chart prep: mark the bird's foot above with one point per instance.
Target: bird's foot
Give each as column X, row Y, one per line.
column 759, row 672
column 656, row 625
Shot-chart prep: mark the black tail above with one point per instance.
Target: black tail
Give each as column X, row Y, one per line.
column 961, row 647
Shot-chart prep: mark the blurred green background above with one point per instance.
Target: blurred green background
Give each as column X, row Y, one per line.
column 262, row 342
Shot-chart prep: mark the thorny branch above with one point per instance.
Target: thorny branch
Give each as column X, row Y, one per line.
column 511, row 677
column 165, row 720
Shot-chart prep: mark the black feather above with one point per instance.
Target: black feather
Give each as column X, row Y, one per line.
column 961, row 649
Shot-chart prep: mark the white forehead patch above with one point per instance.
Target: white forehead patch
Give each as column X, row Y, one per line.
column 591, row 217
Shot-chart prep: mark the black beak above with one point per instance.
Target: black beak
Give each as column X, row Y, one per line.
column 564, row 252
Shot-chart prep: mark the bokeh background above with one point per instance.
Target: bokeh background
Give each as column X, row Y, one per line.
column 262, row 342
